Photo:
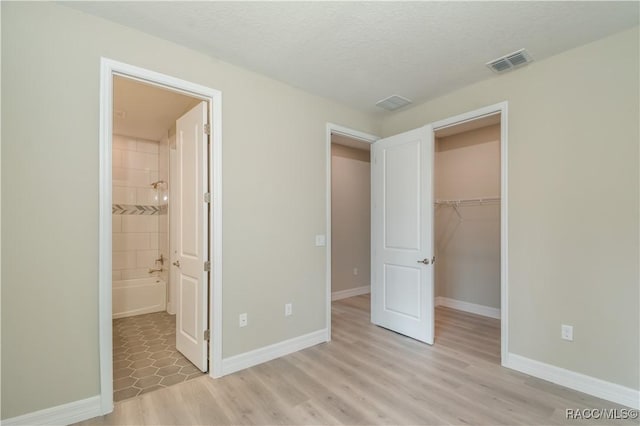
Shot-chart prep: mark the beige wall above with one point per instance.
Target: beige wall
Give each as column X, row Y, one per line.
column 274, row 199
column 350, row 218
column 467, row 165
column 573, row 202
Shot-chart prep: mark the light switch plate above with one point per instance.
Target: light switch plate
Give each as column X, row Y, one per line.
column 321, row 241
column 566, row 332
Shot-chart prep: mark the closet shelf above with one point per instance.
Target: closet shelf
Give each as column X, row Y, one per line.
column 468, row 201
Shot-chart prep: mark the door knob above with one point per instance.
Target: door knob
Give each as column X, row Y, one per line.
column 176, row 263
column 433, row 260
column 425, row 261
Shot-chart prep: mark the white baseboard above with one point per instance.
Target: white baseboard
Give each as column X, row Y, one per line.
column 258, row 356
column 576, row 381
column 350, row 292
column 485, row 311
column 64, row 414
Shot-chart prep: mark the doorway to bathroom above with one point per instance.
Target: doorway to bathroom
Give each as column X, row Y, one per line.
column 159, row 178
column 155, row 147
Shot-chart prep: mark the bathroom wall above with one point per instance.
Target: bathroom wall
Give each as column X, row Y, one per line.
column 135, row 207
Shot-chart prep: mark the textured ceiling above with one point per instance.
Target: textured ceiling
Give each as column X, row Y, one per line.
column 360, row 52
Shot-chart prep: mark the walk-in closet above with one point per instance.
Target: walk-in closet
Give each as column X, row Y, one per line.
column 467, row 187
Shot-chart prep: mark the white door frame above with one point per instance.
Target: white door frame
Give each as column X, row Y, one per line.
column 501, row 108
column 353, row 134
column 109, row 68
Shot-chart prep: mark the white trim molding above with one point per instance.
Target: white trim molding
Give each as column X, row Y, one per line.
column 350, row 292
column 573, row 380
column 267, row 353
column 485, row 311
column 64, row 414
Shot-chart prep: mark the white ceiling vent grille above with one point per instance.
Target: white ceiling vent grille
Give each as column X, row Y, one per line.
column 393, row 102
column 511, row 61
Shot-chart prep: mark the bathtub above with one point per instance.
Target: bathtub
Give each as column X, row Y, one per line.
column 139, row 296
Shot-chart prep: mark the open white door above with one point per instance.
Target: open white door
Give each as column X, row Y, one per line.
column 191, row 243
column 402, row 234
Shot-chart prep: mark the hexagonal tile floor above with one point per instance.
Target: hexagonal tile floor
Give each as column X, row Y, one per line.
column 145, row 356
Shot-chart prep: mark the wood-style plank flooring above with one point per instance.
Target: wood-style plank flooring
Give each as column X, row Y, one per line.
column 368, row 375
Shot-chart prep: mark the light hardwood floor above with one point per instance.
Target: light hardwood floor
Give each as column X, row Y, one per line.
column 369, row 375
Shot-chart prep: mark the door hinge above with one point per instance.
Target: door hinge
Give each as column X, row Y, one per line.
column 207, row 266
column 207, row 335
column 207, row 197
column 207, row 129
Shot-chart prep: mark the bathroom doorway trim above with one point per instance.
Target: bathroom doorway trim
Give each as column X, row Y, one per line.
column 108, row 69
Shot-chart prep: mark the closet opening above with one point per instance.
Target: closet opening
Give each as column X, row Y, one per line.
column 467, row 237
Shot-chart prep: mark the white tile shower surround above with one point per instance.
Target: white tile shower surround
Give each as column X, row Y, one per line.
column 135, row 237
column 133, row 178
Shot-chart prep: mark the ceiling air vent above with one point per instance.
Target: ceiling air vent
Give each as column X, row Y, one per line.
column 511, row 61
column 393, row 102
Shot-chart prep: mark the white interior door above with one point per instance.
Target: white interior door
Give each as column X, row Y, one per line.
column 402, row 234
column 191, row 243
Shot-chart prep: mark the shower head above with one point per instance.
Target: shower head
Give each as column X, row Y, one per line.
column 155, row 184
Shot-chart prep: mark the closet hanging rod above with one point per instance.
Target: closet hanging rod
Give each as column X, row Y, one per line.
column 483, row 200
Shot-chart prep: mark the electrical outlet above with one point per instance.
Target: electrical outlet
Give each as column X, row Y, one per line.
column 321, row 241
column 355, row 271
column 566, row 332
column 288, row 310
column 242, row 320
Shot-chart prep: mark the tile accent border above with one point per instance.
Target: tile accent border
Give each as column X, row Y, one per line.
column 135, row 209
column 64, row 414
column 267, row 353
column 350, row 292
column 573, row 380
